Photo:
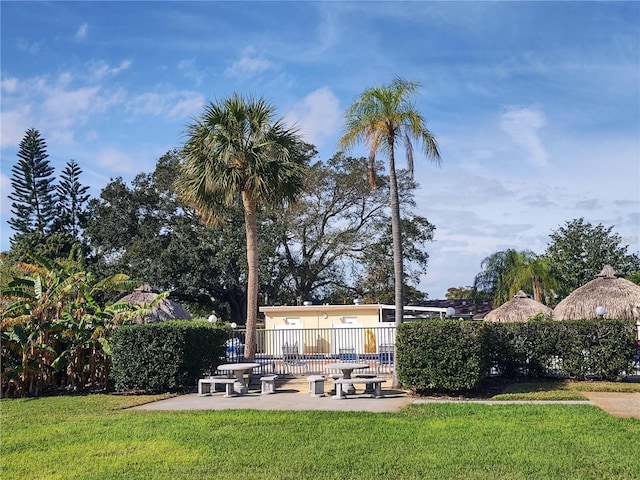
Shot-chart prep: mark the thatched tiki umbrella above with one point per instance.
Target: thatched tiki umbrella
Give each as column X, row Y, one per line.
column 165, row 309
column 619, row 297
column 519, row 309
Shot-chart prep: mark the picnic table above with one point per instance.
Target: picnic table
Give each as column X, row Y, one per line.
column 347, row 368
column 239, row 369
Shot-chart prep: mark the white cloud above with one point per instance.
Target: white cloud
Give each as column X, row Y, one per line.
column 188, row 106
column 82, row 31
column 30, row 48
column 249, row 65
column 318, row 115
column 65, row 110
column 173, row 105
column 118, row 162
column 14, row 123
column 100, row 70
column 54, row 107
column 522, row 125
column 10, row 85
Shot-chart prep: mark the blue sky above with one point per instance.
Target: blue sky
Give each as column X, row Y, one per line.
column 536, row 105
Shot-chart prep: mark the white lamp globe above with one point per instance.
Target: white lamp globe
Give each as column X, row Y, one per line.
column 601, row 311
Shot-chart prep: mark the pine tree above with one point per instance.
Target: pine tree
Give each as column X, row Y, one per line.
column 32, row 180
column 72, row 197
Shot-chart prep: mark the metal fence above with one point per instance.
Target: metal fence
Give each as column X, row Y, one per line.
column 306, row 351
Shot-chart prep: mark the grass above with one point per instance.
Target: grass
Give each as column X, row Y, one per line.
column 93, row 437
column 561, row 390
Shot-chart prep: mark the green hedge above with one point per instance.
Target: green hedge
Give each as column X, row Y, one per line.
column 457, row 355
column 166, row 356
column 442, row 355
column 580, row 349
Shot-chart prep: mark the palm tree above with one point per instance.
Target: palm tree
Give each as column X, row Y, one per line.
column 533, row 273
column 382, row 117
column 236, row 153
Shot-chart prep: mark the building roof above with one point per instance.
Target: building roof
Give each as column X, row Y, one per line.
column 619, row 296
column 519, row 309
column 165, row 309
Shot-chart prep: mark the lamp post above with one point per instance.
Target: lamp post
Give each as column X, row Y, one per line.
column 601, row 311
column 450, row 312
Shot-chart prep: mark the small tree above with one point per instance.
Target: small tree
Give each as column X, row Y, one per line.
column 72, row 197
column 32, row 180
column 578, row 251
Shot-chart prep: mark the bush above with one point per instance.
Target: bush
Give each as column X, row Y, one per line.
column 166, row 356
column 572, row 348
column 442, row 355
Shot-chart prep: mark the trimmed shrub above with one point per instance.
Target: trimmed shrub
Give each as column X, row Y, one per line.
column 600, row 349
column 572, row 348
column 165, row 356
column 442, row 355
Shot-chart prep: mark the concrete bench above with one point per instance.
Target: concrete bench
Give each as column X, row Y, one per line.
column 268, row 384
column 206, row 385
column 368, row 387
column 316, row 385
column 375, row 382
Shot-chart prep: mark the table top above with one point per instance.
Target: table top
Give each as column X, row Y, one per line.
column 346, row 366
column 238, row 366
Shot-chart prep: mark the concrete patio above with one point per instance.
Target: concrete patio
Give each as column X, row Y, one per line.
column 293, row 394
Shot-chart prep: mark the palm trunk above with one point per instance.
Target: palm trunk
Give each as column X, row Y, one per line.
column 398, row 273
column 251, row 226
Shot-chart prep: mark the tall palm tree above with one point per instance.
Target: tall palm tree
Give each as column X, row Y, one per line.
column 236, row 153
column 382, row 117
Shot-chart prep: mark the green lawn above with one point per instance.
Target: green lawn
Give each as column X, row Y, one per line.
column 561, row 390
column 92, row 437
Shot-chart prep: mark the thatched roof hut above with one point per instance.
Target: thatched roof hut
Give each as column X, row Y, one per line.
column 165, row 309
column 619, row 296
column 519, row 309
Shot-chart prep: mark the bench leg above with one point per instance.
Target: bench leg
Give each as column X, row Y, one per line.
column 316, row 388
column 268, row 386
column 230, row 390
column 377, row 392
column 204, row 388
column 240, row 388
column 339, row 392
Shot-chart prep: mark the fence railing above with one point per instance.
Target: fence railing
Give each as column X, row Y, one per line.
column 307, row 351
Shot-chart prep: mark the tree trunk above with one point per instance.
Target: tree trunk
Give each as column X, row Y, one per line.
column 251, row 226
column 398, row 273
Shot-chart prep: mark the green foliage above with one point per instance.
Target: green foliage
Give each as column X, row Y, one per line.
column 462, row 293
column 578, row 251
column 456, row 355
column 505, row 273
column 578, row 349
column 72, row 198
column 377, row 281
column 54, row 328
column 166, row 356
column 442, row 355
column 384, row 117
column 33, row 202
